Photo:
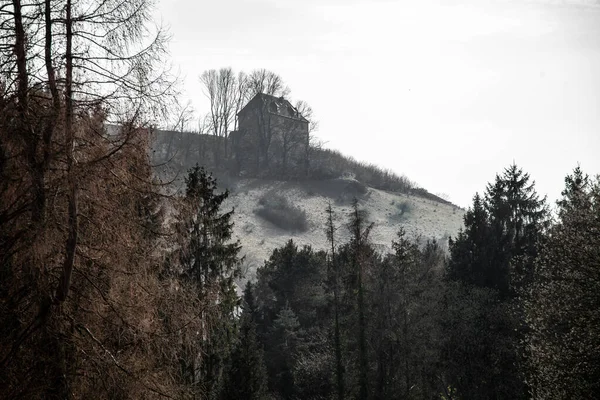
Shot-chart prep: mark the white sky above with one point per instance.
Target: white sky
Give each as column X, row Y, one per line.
column 446, row 92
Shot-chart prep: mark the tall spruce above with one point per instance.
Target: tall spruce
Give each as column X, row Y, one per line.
column 334, row 284
column 292, row 303
column 359, row 243
column 469, row 262
column 391, row 321
column 502, row 235
column 518, row 218
column 212, row 262
column 562, row 303
column 210, row 256
column 246, row 376
column 405, row 309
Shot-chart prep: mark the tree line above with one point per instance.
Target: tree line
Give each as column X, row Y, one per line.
column 510, row 313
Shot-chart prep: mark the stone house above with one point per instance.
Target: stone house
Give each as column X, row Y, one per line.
column 272, row 138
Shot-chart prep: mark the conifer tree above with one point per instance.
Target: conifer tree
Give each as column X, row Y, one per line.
column 359, row 243
column 291, row 299
column 390, row 313
column 469, row 261
column 334, row 284
column 495, row 251
column 211, row 261
column 210, row 255
column 518, row 219
column 562, row 304
column 247, row 375
column 285, row 334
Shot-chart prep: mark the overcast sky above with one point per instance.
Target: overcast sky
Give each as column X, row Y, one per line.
column 446, row 92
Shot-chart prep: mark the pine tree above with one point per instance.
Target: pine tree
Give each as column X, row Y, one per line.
column 390, row 313
column 292, row 307
column 563, row 302
column 247, row 375
column 469, row 262
column 333, row 282
column 405, row 307
column 210, row 256
column 285, row 334
column 518, row 219
column 359, row 243
column 211, row 261
column 502, row 235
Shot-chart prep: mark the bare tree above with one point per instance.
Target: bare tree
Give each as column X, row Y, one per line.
column 311, row 141
column 307, row 112
column 221, row 89
column 180, row 123
column 228, row 94
column 241, row 95
column 204, row 129
column 267, row 82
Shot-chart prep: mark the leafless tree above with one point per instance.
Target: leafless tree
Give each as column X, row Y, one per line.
column 307, row 112
column 229, row 93
column 182, row 125
column 183, row 115
column 267, row 82
column 241, row 95
column 221, row 89
column 311, row 141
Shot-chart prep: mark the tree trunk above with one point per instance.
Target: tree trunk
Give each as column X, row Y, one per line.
column 51, row 84
column 362, row 350
column 339, row 367
column 71, row 244
column 23, row 127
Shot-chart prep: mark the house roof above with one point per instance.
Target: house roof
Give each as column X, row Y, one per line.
column 273, row 105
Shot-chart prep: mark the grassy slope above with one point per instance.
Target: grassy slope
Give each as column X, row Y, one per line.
column 423, row 218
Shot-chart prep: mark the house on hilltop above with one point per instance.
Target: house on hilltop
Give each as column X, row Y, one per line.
column 272, row 138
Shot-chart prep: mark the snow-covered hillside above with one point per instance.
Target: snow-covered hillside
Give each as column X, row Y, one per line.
column 421, row 218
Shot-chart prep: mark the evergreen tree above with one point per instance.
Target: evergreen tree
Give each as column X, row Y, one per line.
column 209, row 256
column 285, row 334
column 293, row 309
column 359, row 245
column 469, row 262
column 518, row 219
column 391, row 323
column 495, row 251
column 563, row 302
column 406, row 307
column 333, row 283
column 211, row 261
column 247, row 376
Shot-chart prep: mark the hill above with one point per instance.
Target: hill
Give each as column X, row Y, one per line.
column 297, row 211
column 270, row 210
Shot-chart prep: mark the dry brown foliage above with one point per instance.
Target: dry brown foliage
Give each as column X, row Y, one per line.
column 125, row 324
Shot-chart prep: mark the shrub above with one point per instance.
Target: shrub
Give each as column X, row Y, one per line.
column 280, row 212
column 420, row 192
column 356, row 188
column 404, row 208
column 331, row 164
